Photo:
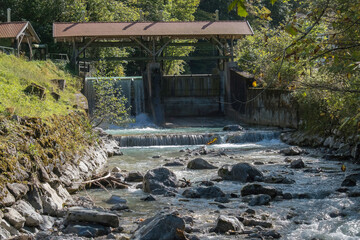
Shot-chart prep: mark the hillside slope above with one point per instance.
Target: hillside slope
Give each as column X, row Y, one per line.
column 16, row 97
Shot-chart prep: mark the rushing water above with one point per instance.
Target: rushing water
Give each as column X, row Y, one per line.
column 307, row 218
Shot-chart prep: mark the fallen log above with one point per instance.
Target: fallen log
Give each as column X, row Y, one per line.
column 105, row 181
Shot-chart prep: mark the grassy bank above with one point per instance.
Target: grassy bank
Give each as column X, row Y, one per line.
column 16, row 74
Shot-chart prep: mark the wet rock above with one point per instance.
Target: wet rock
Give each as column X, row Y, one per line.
column 258, row 163
column 161, row 227
column 173, row 164
column 354, row 194
column 261, row 199
column 337, row 214
column 278, row 179
column 116, row 170
column 87, row 230
column 200, row 163
column 242, row 172
column 351, row 180
column 287, row 160
column 287, row 196
column 250, row 211
column 119, row 207
column 257, row 189
column 297, row 164
column 203, row 192
column 233, row 128
column 18, row 190
column 156, row 156
column 79, row 214
column 292, row 151
column 160, row 181
column 134, row 177
column 234, row 195
column 114, row 199
column 206, row 183
column 222, row 199
column 228, row 223
column 272, row 233
column 33, row 219
column 148, row 198
column 254, row 223
column 14, row 218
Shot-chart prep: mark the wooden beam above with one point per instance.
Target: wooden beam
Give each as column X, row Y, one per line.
column 134, row 44
column 186, row 58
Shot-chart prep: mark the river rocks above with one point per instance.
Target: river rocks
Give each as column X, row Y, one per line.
column 297, row 164
column 4, row 234
column 200, row 163
column 233, row 128
column 149, row 198
column 114, row 199
column 292, row 151
column 351, row 180
column 33, row 219
column 161, row 227
column 134, row 177
column 160, row 181
column 254, row 223
column 273, row 234
column 242, row 172
column 203, row 192
column 228, row 223
column 79, row 214
column 87, row 230
column 261, row 199
column 278, row 179
column 173, row 164
column 256, row 189
column 14, row 218
column 119, row 207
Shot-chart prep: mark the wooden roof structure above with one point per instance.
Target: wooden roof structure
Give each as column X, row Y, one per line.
column 120, row 30
column 18, row 30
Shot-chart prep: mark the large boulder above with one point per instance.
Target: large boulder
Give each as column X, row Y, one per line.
column 262, row 199
column 292, row 151
column 160, row 181
column 233, row 128
column 228, row 223
column 80, row 214
column 33, row 219
column 88, row 230
column 257, row 189
column 242, row 172
column 134, row 177
column 161, row 227
column 351, row 180
column 203, row 192
column 18, row 190
column 297, row 163
column 200, row 163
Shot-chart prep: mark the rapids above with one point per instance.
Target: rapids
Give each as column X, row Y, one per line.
column 309, row 216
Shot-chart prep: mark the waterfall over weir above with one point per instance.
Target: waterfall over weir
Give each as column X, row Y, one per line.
column 131, row 87
column 194, row 138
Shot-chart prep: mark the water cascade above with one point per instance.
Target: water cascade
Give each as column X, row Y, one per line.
column 194, row 138
column 139, row 96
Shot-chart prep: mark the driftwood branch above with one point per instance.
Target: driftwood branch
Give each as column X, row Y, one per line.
column 106, row 181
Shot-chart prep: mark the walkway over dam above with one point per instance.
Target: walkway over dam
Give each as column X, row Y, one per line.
column 165, row 95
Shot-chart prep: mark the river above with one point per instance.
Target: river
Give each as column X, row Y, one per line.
column 318, row 212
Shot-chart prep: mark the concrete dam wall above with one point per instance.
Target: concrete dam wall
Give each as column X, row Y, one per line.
column 191, row 95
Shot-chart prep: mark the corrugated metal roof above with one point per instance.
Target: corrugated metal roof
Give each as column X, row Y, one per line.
column 224, row 29
column 11, row 29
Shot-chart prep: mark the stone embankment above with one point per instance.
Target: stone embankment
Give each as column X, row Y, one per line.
column 35, row 195
column 333, row 147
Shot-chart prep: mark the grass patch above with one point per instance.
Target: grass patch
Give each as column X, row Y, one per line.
column 17, row 73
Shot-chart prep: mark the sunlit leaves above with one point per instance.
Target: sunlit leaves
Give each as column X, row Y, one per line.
column 291, row 29
column 239, row 5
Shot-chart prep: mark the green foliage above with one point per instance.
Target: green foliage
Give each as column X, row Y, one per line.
column 16, row 74
column 110, row 104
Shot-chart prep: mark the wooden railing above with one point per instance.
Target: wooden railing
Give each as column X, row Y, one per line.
column 7, row 50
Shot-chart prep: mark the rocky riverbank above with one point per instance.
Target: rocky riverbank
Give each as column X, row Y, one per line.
column 333, row 147
column 42, row 163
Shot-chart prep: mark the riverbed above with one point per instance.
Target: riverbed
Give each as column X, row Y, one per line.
column 316, row 211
